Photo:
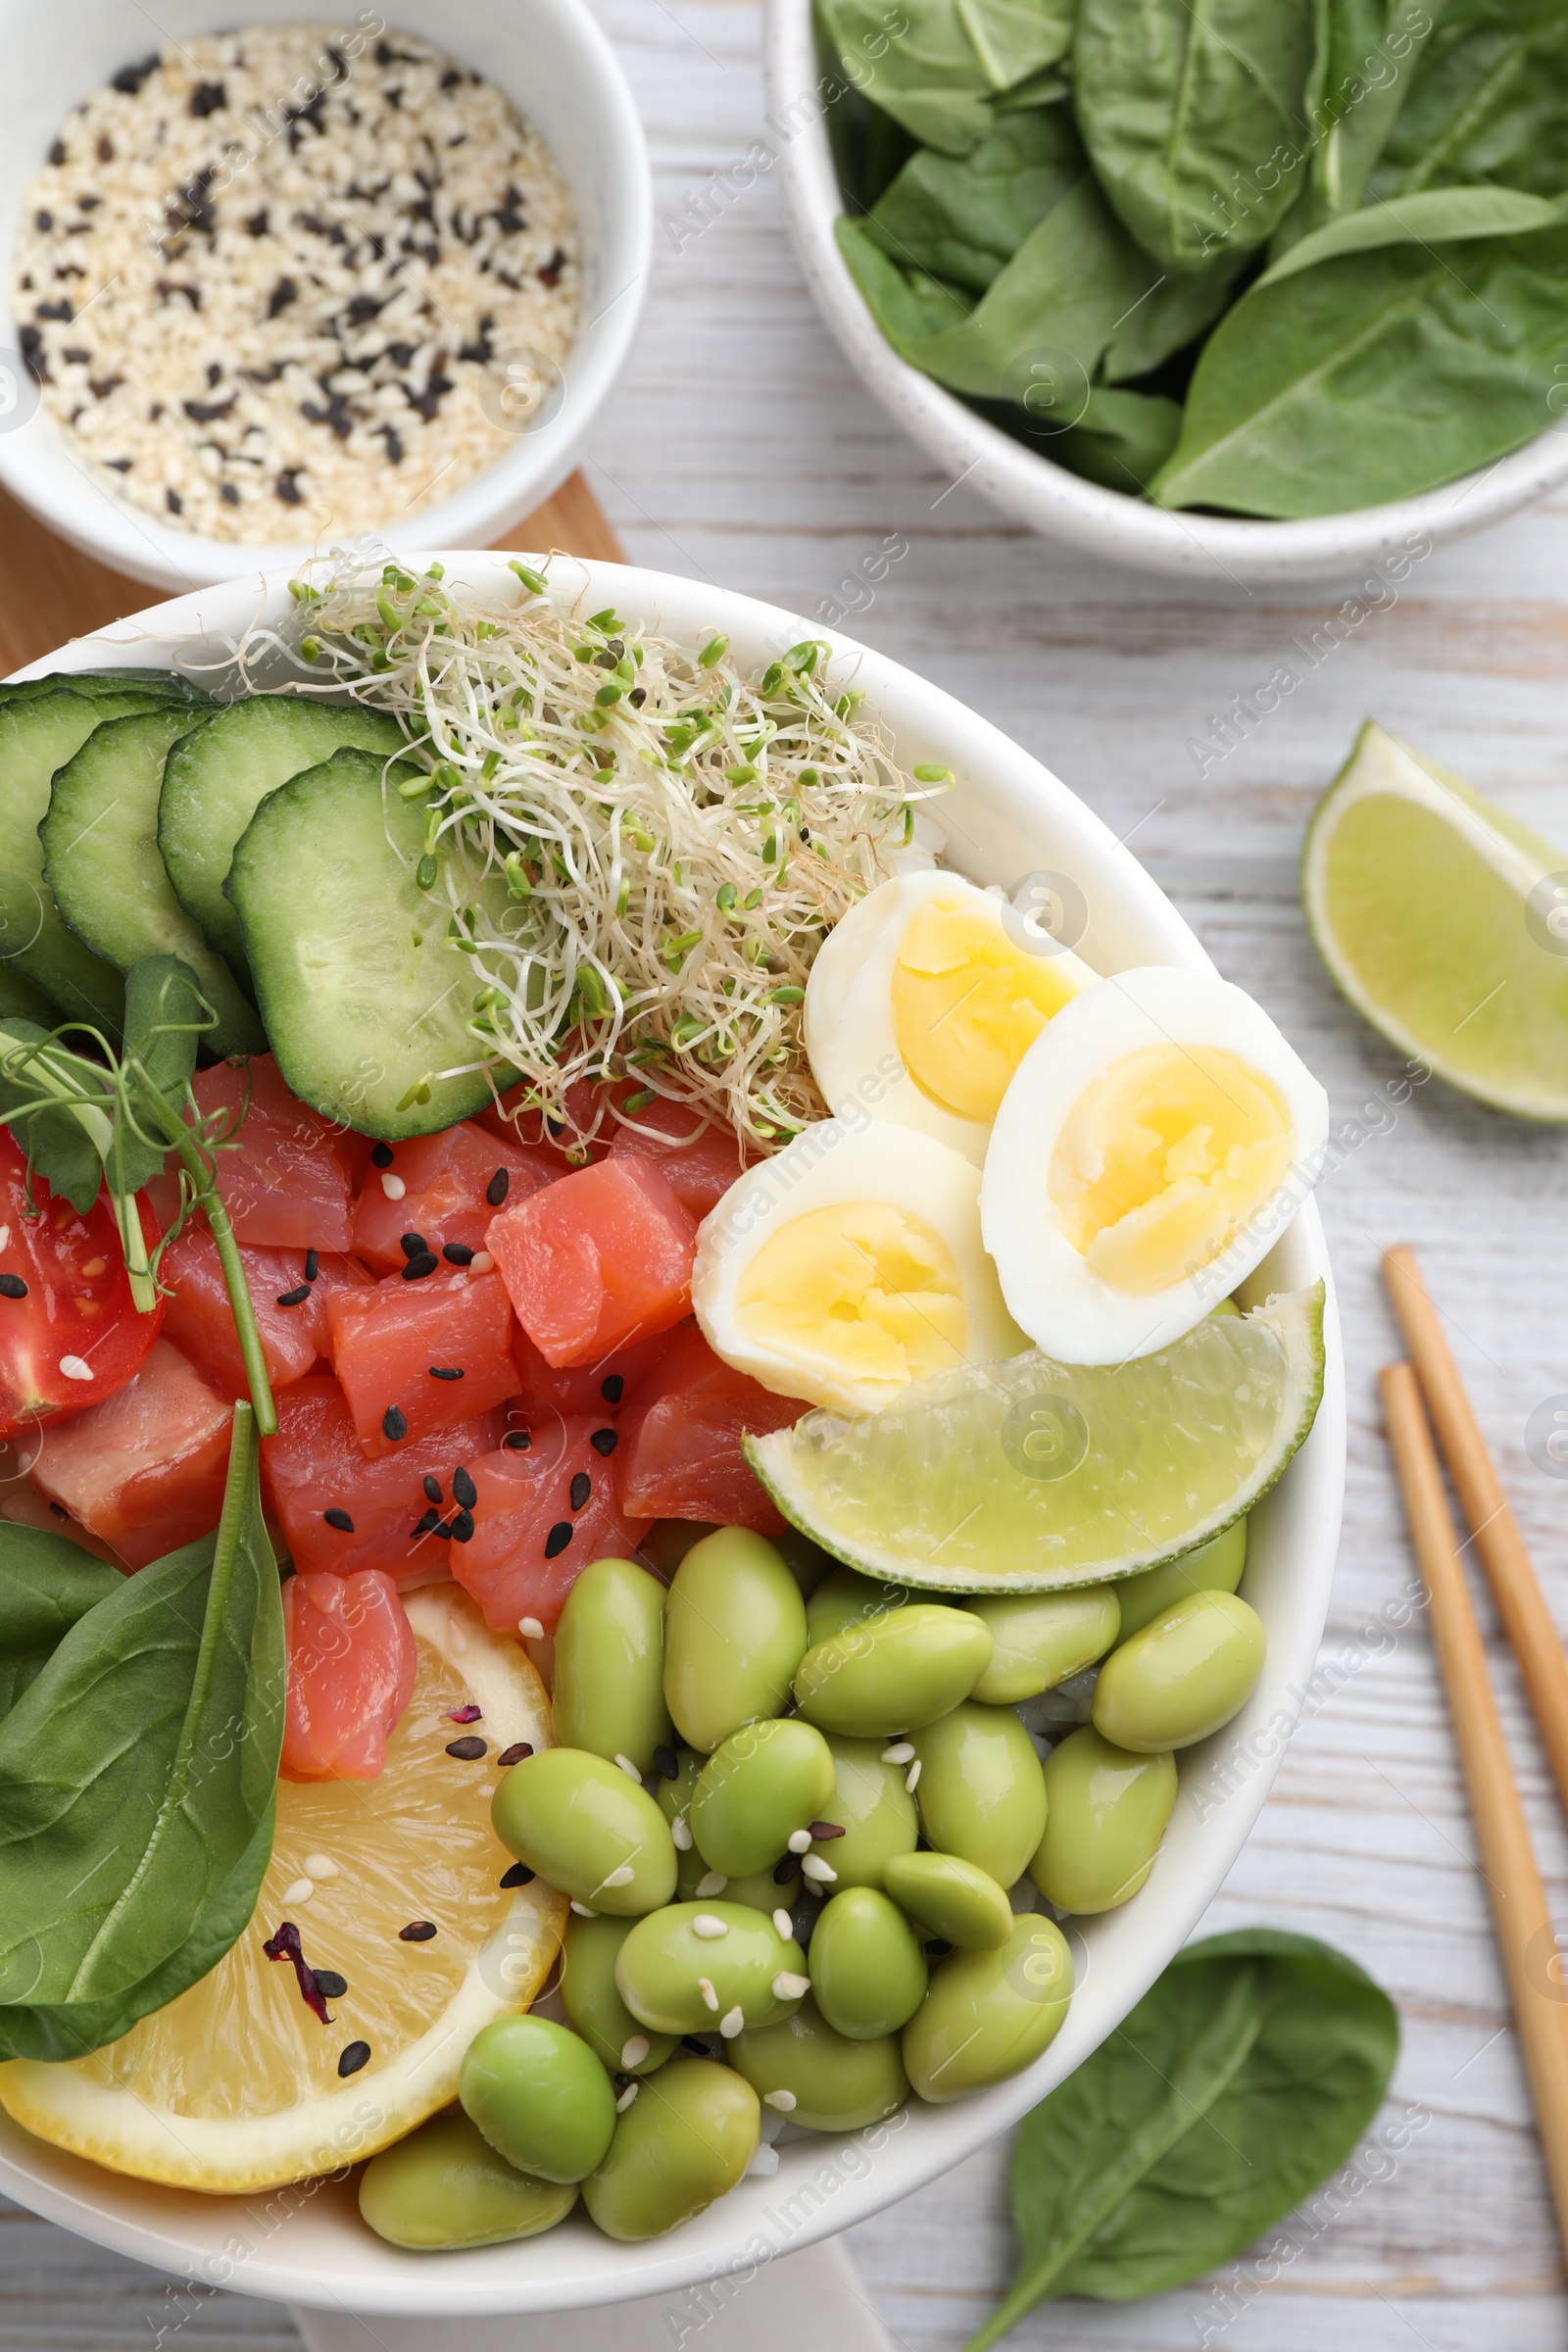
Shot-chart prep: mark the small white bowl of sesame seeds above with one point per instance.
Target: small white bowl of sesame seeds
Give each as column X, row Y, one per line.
column 308, row 283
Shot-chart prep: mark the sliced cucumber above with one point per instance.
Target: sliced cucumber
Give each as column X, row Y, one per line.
column 100, row 849
column 363, row 996
column 37, row 736
column 215, row 776
column 95, row 682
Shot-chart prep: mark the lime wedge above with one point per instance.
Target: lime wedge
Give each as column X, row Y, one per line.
column 1446, row 923
column 1027, row 1475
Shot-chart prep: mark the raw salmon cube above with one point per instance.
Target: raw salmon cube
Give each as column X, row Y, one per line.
column 446, row 1187
column 316, row 1466
column 700, row 1163
column 599, row 1258
column 680, row 1453
column 288, row 1180
column 543, row 1511
column 351, row 1667
column 601, row 1388
column 201, row 1324
column 396, row 1348
column 145, row 1468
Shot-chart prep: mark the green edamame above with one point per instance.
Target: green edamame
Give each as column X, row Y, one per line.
column 875, row 1811
column 734, row 1633
column 980, row 1790
column 539, row 2095
column 686, row 2138
column 818, row 2077
column 696, row 1967
column 608, row 1693
column 1108, row 1810
column 892, row 1673
column 988, row 2015
column 590, row 1998
column 868, row 1966
column 952, row 1897
column 763, row 1890
column 847, row 1597
column 1040, row 1639
column 759, row 1788
column 445, row 2186
column 1187, row 1671
column 1213, row 1567
column 587, row 1828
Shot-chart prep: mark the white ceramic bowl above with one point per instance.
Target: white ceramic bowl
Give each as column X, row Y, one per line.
column 1006, row 815
column 1029, row 488
column 550, row 59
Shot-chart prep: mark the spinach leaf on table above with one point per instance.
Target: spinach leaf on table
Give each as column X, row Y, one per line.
column 1373, row 377
column 1243, row 2078
column 1487, row 101
column 1192, row 112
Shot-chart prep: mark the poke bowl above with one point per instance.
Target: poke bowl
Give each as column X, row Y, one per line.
column 989, row 815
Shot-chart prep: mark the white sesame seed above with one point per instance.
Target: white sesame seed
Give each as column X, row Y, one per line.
column 75, row 1368
column 393, row 1186
column 299, row 1891
column 800, row 1841
column 680, row 1834
column 705, row 1986
column 712, row 1882
column 583, row 1910
column 5, row 1237
column 623, row 1876
column 732, row 2022
column 784, row 2100
column 813, row 1867
column 628, row 1768
column 784, row 1924
column 481, row 1262
column 530, row 1629
column 911, row 1779
column 900, row 1753
column 788, row 1986
column 320, row 1866
column 626, row 2098
column 708, row 1927
column 634, row 2050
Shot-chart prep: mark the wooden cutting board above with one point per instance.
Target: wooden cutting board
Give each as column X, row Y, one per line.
column 50, row 594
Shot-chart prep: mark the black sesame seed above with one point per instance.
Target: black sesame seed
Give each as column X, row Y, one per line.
column 427, row 1524
column 457, row 1254
column 206, row 98
column 690, row 2041
column 340, row 1520
column 462, row 1525
column 418, row 1931
column 442, row 1527
column 784, row 1870
column 464, row 1491
column 514, row 1755
column 469, row 1749
column 559, row 1538
column 312, row 1265
column 613, row 1389
column 582, row 1486
column 394, row 1423
column 517, row 1440
column 419, row 1268
column 295, row 1298
column 329, row 1985
column 283, row 293
column 356, row 2054
column 287, row 488
column 936, row 1949
column 519, row 1875
column 433, row 1488
column 414, row 1244
column 228, row 494
column 665, row 1763
column 495, row 1192
column 603, row 1442
column 173, row 502
column 57, row 153
column 381, row 1155
column 11, row 1286
column 446, row 1371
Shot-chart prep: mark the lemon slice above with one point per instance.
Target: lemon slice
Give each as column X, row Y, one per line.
column 235, row 2085
column 1029, row 1475
column 1446, row 923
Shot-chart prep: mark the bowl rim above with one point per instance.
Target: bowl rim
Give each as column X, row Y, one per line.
column 1028, row 487
column 36, row 468
column 1006, row 805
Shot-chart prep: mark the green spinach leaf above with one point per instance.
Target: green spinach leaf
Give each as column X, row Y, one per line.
column 1487, row 101
column 963, row 218
column 1016, row 39
column 1373, row 377
column 166, row 1018
column 1437, row 217
column 59, row 1148
column 1175, row 311
column 1193, row 113
column 1121, row 440
column 136, row 1770
column 1241, row 2081
column 1367, row 52
column 46, row 1584
column 941, row 72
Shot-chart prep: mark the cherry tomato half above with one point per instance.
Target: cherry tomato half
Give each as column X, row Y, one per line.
column 68, row 1334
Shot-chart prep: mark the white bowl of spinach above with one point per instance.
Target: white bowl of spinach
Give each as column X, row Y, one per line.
column 1274, row 286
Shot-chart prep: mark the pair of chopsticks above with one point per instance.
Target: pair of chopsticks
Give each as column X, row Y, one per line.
column 1420, row 1396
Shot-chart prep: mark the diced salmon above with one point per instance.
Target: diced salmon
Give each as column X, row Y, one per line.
column 601, row 1388
column 448, row 1181
column 316, row 1464
column 700, row 1163
column 394, row 1349
column 599, row 1258
column 351, row 1667
column 201, row 1322
column 145, row 1468
column 288, row 1182
column 542, row 1515
column 514, row 1121
column 680, row 1453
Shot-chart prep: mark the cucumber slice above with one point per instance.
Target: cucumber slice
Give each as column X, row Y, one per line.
column 96, row 682
column 361, row 991
column 100, row 851
column 37, row 736
column 215, row 777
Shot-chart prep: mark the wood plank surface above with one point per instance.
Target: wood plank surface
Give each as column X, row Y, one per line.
column 741, row 449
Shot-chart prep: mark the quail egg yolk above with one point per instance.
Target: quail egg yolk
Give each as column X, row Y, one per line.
column 1164, row 1158
column 967, row 1005
column 863, row 1291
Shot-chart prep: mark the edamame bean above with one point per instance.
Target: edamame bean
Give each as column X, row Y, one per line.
column 674, row 1801
column 875, row 1811
column 981, row 1792
column 846, row 1599
column 697, row 1967
column 818, row 2077
column 608, row 1693
column 445, row 2185
column 688, row 2136
column 1187, row 1671
column 988, row 2015
column 890, row 1675
column 734, row 1633
column 590, row 1998
column 1108, row 1810
column 763, row 1890
column 587, row 1828
column 539, row 2095
column 1040, row 1639
column 1215, row 1567
column 754, row 1792
column 868, row 1967
column 952, row 1897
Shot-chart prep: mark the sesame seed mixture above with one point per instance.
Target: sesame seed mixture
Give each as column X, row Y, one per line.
column 270, row 280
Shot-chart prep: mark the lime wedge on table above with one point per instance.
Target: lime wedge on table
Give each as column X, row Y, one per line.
column 1028, row 1473
column 1446, row 923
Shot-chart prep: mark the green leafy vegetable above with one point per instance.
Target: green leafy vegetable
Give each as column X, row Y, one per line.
column 941, row 75
column 1122, row 438
column 1366, row 52
column 1439, row 217
column 46, row 1584
column 1487, row 101
column 165, row 1017
column 1242, row 2080
column 963, row 218
column 138, row 1768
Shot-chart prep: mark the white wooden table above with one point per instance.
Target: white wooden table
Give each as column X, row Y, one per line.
column 743, row 450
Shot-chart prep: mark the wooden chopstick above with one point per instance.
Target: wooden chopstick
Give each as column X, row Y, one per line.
column 1495, row 1532
column 1524, row 1927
